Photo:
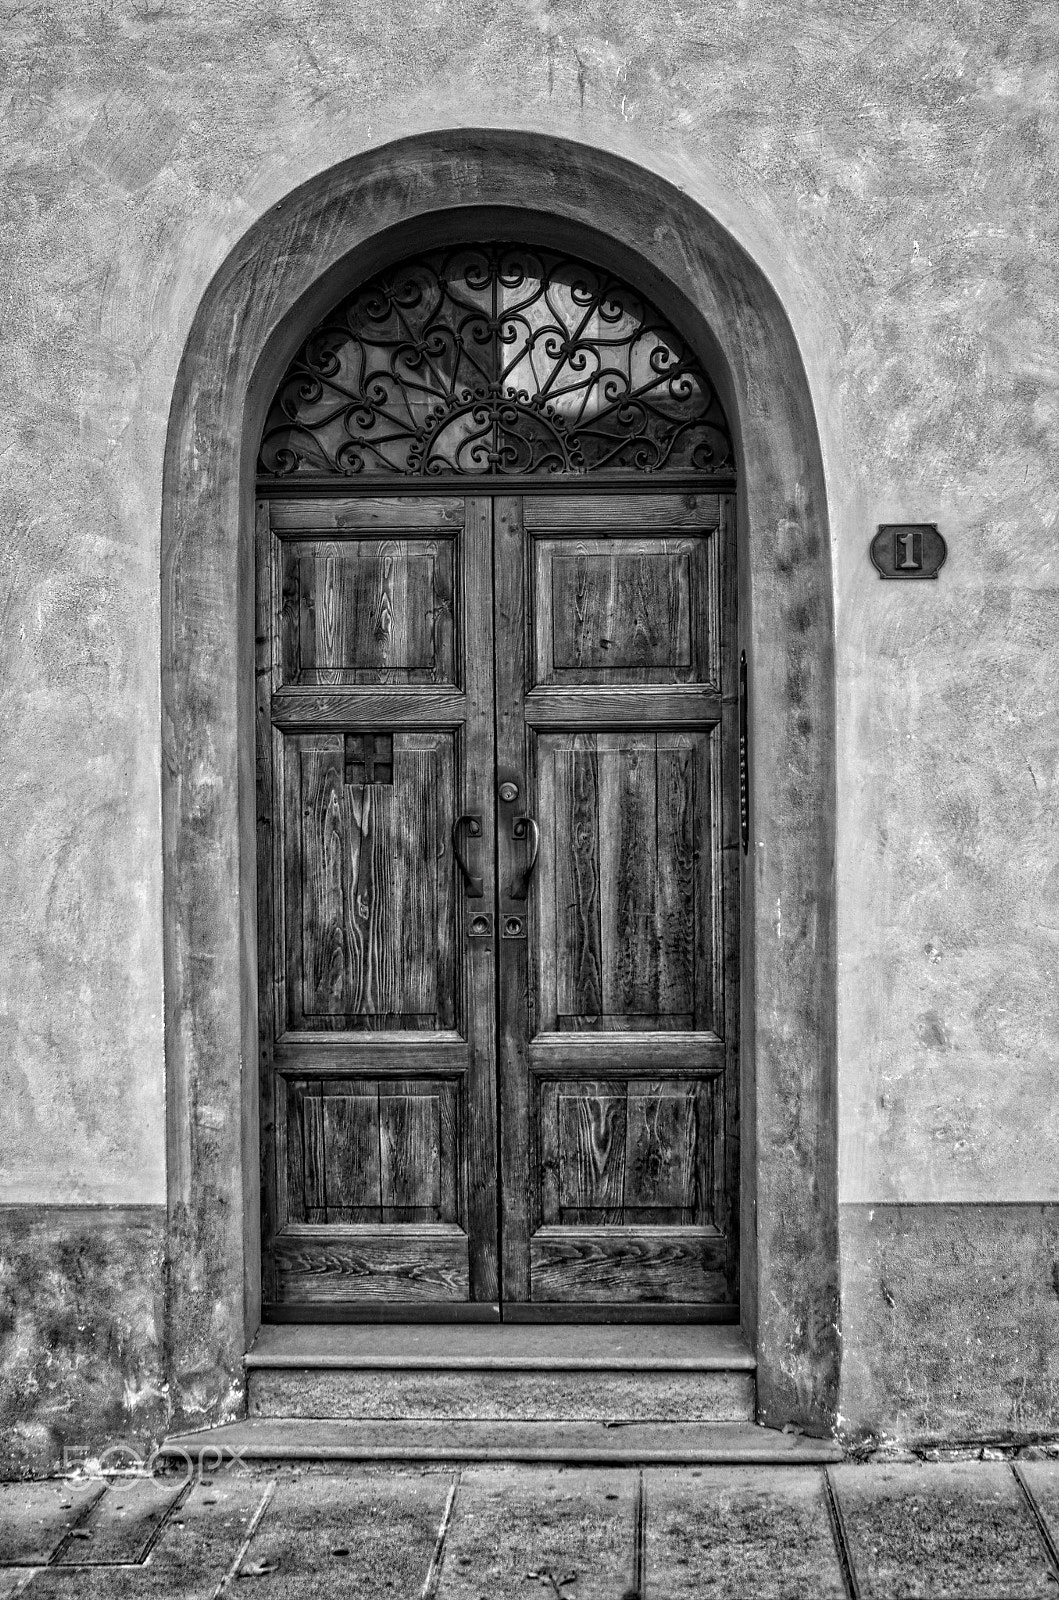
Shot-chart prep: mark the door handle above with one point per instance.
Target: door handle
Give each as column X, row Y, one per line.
column 472, row 884
column 519, row 828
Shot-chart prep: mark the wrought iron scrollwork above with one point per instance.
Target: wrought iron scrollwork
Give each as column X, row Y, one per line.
column 497, row 361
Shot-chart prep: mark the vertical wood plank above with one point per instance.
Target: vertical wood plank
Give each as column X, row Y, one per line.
column 352, row 1173
column 676, row 909
column 662, row 1153
column 323, row 886
column 477, row 790
column 577, row 873
column 410, row 1142
column 314, row 1152
column 545, row 920
column 515, row 986
column 592, row 1146
column 709, row 955
column 628, row 872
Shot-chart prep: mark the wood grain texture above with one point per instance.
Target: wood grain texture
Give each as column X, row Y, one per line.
column 367, row 612
column 370, row 866
column 618, row 993
column 627, row 918
column 367, row 959
column 518, row 984
column 363, row 1151
column 625, row 1152
column 622, row 611
column 478, row 1011
column 662, row 1264
column 403, row 706
column 632, row 512
column 607, row 706
column 626, row 902
column 369, row 514
column 391, row 1265
column 660, row 1054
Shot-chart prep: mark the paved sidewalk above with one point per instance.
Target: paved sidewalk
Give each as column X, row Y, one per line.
column 963, row 1531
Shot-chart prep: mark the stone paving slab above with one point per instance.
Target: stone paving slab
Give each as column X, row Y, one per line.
column 122, row 1524
column 1041, row 1480
column 364, row 1532
column 941, row 1532
column 967, row 1531
column 548, row 1531
column 726, row 1533
column 196, row 1549
column 36, row 1517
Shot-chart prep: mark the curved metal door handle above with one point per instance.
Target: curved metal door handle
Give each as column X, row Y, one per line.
column 519, row 828
column 472, row 884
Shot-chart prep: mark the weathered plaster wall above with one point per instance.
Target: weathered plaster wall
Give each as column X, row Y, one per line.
column 951, row 1320
column 81, row 1333
column 892, row 167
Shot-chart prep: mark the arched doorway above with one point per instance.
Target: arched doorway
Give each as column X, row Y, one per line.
column 497, row 811
column 289, row 268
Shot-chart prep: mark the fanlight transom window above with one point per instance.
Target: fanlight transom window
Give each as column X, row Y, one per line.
column 494, row 360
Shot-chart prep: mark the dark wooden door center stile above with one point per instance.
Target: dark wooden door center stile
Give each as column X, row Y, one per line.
column 498, row 838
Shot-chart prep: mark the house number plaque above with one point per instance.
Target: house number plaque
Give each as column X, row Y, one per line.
column 908, row 550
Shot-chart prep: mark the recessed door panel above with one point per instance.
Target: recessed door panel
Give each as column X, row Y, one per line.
column 623, row 610
column 366, row 862
column 625, row 892
column 362, row 611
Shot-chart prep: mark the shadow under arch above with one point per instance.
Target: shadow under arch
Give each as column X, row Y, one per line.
column 291, row 265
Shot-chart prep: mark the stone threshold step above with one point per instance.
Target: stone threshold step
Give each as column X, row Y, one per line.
column 582, row 1443
column 567, row 1347
column 433, row 1394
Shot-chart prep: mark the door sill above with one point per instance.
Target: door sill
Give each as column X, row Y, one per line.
column 568, row 1347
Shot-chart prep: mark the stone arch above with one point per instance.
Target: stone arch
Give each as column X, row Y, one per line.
column 286, row 270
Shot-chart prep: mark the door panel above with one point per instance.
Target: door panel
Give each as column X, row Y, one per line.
column 368, row 611
column 365, row 864
column 625, row 897
column 377, row 1003
column 617, row 1020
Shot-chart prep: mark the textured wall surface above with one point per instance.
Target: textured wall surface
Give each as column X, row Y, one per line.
column 891, row 167
column 80, row 1333
column 951, row 1320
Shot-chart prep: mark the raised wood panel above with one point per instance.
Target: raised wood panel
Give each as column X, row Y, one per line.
column 360, row 1151
column 368, row 866
column 376, row 514
column 406, row 706
column 625, row 889
column 634, row 512
column 606, row 706
column 659, row 1054
column 616, row 1264
column 396, row 1266
column 624, row 611
column 626, row 1152
column 367, row 612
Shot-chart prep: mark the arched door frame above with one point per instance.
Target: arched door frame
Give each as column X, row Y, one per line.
column 285, row 272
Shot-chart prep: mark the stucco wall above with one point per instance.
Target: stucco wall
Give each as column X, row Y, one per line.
column 893, row 170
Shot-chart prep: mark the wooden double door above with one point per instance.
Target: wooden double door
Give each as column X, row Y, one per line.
column 497, row 906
